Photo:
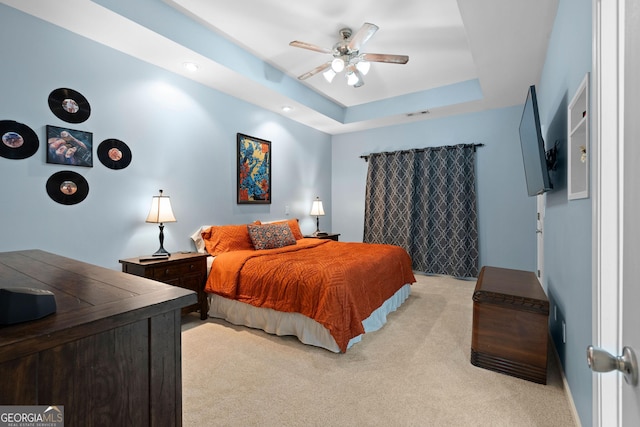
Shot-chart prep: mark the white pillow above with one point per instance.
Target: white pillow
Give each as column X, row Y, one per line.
column 274, row 221
column 197, row 239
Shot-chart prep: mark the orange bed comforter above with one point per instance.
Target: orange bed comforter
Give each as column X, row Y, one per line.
column 338, row 284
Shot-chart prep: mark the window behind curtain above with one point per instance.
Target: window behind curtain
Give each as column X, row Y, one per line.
column 424, row 200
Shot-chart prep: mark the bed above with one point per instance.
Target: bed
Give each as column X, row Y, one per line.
column 324, row 292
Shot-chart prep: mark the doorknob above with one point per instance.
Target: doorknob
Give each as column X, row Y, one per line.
column 600, row 360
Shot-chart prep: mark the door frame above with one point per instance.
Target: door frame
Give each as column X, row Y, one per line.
column 607, row 146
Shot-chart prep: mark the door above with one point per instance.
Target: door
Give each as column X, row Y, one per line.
column 616, row 203
column 631, row 210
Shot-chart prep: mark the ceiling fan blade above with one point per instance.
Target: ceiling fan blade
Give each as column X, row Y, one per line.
column 362, row 36
column 318, row 69
column 309, row 46
column 382, row 57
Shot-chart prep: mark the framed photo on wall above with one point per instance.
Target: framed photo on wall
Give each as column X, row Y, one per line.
column 69, row 147
column 254, row 170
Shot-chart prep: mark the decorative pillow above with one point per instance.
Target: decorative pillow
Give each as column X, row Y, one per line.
column 293, row 225
column 270, row 236
column 198, row 240
column 225, row 238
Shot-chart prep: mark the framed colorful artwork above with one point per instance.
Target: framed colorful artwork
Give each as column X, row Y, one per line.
column 69, row 147
column 254, row 170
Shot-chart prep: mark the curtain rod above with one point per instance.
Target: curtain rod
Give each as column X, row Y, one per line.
column 366, row 157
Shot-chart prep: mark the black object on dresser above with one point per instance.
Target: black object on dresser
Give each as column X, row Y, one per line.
column 25, row 304
column 328, row 236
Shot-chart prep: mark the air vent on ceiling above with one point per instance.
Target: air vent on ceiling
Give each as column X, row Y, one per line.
column 419, row 113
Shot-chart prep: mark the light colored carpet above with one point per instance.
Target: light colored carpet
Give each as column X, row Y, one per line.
column 415, row 371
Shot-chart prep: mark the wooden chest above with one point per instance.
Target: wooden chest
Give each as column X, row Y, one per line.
column 510, row 324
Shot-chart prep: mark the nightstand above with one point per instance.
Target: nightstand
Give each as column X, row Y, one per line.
column 185, row 270
column 328, row 236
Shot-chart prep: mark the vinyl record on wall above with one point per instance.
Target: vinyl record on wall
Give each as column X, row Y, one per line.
column 19, row 141
column 67, row 187
column 69, row 105
column 114, row 154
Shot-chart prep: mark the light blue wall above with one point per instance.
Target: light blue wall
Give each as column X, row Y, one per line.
column 506, row 215
column 182, row 136
column 567, row 244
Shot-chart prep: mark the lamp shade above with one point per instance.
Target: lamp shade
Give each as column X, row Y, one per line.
column 160, row 211
column 363, row 67
column 329, row 75
column 316, row 208
column 337, row 65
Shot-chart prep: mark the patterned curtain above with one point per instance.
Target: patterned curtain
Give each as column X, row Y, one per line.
column 424, row 200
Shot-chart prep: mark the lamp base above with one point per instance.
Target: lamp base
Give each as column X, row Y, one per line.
column 162, row 252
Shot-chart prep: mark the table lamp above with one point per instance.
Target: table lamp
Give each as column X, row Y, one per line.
column 317, row 211
column 160, row 213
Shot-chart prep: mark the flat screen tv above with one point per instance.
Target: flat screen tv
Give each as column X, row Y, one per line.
column 534, row 156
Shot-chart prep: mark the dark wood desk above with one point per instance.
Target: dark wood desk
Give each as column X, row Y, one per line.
column 111, row 354
column 510, row 324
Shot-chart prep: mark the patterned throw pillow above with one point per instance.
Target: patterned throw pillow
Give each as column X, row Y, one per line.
column 293, row 225
column 271, row 236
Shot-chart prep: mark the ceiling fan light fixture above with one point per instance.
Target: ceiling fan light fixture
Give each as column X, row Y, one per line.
column 347, row 57
column 363, row 67
column 352, row 79
column 329, row 75
column 337, row 65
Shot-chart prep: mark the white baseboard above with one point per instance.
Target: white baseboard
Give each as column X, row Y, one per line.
column 567, row 389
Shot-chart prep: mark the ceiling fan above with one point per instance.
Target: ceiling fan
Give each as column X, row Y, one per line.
column 347, row 56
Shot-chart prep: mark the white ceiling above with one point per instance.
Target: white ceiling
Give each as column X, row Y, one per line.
column 431, row 32
column 465, row 55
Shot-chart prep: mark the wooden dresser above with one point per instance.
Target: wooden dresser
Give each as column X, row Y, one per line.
column 111, row 354
column 510, row 324
column 186, row 270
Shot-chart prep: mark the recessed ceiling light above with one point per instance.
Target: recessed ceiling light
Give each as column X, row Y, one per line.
column 287, row 108
column 190, row 66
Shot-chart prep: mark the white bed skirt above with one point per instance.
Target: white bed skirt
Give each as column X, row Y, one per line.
column 306, row 329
